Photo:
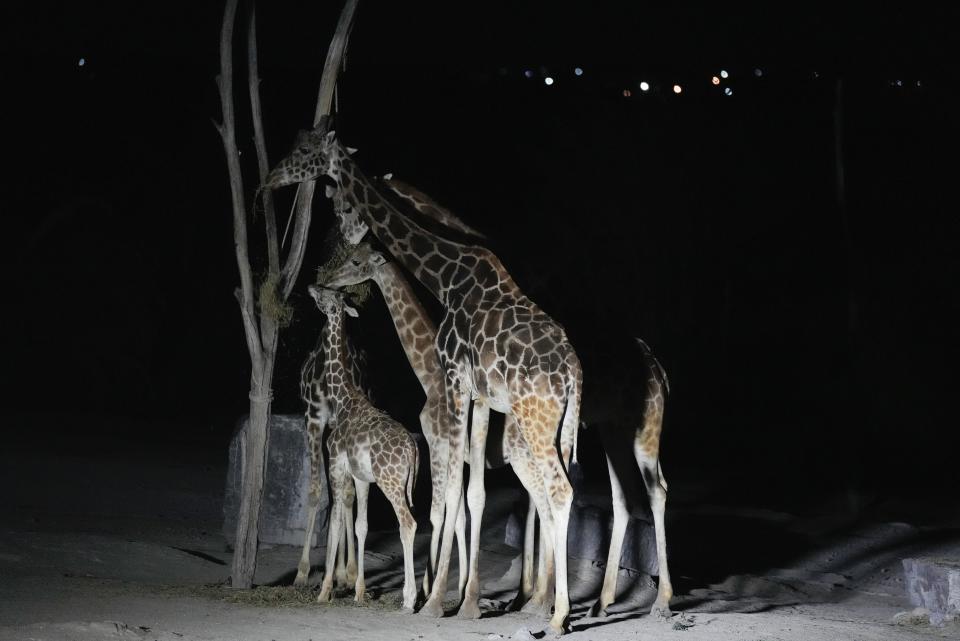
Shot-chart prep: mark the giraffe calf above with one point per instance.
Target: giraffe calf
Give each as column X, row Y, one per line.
column 365, row 446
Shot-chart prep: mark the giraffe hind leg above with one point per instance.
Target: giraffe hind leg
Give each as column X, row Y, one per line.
column 656, row 486
column 621, row 518
column 394, row 491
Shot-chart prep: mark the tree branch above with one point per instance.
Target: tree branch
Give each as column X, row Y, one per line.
column 269, row 213
column 328, row 83
column 228, row 135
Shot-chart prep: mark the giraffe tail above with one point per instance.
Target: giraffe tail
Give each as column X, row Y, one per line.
column 412, row 472
column 571, row 427
column 658, row 376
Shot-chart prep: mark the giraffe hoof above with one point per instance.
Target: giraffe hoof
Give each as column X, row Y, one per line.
column 599, row 610
column 661, row 612
column 432, row 608
column 555, row 631
column 469, row 610
column 324, row 597
column 301, row 580
column 539, row 607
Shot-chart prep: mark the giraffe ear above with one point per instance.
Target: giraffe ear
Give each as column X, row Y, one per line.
column 331, row 136
column 329, row 191
column 351, row 151
column 350, row 310
column 388, row 176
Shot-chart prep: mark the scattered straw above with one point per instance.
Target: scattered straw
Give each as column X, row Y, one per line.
column 287, row 596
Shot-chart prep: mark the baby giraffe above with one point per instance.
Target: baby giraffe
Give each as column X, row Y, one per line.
column 365, row 446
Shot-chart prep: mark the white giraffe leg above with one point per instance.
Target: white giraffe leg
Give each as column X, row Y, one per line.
column 333, row 534
column 657, row 490
column 529, row 536
column 621, row 518
column 350, row 571
column 541, row 601
column 438, row 480
column 303, row 569
column 476, row 499
column 363, row 490
column 408, row 530
column 459, row 402
column 539, row 421
column 461, row 532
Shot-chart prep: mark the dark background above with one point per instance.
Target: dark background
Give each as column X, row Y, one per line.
column 811, row 351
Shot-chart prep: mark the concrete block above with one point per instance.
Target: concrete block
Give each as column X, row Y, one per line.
column 934, row 584
column 283, row 517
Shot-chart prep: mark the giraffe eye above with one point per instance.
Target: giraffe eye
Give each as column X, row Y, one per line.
column 304, row 150
column 355, row 262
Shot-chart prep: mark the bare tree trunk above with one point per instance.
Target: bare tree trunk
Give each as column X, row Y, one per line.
column 262, row 330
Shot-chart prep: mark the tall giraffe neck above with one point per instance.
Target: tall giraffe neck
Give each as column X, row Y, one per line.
column 454, row 273
column 416, row 331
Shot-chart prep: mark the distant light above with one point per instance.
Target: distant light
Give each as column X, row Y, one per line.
column 644, row 86
column 82, row 62
column 627, row 93
column 758, row 72
column 578, row 71
column 899, row 83
column 715, row 80
column 548, row 81
column 527, row 73
column 728, row 91
column 677, row 88
column 918, row 83
column 724, row 74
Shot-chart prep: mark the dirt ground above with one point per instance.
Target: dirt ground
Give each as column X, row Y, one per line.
column 125, row 545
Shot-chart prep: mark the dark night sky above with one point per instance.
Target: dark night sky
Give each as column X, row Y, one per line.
column 707, row 224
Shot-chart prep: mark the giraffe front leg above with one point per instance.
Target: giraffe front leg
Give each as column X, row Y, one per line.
column 314, row 441
column 350, row 571
column 438, row 481
column 541, row 602
column 529, row 538
column 303, row 569
column 363, row 491
column 333, row 540
column 461, row 532
column 434, row 605
column 476, row 499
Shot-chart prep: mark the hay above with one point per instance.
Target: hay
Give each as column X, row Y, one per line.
column 271, row 305
column 287, row 596
column 336, row 249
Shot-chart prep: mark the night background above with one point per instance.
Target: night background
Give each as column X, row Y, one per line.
column 811, row 346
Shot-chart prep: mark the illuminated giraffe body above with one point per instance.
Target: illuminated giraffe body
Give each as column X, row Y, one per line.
column 417, row 335
column 634, row 430
column 497, row 348
column 313, row 391
column 366, row 446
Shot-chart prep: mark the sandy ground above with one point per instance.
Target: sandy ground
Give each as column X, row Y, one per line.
column 111, row 546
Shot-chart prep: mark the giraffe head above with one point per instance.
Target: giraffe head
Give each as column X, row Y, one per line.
column 360, row 264
column 352, row 227
column 330, row 302
column 315, row 153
